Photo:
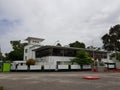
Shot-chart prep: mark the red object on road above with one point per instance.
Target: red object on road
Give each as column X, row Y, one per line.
column 94, row 70
column 116, row 70
column 91, row 77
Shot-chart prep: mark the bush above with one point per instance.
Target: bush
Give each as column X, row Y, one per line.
column 1, row 88
column 30, row 62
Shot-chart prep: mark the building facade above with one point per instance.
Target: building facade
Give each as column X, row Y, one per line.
column 33, row 43
column 57, row 57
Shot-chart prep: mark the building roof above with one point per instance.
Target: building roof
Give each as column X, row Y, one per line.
column 30, row 38
column 60, row 47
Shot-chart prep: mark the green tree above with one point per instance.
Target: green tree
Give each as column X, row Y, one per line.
column 77, row 44
column 82, row 58
column 17, row 45
column 94, row 48
column 58, row 44
column 18, row 51
column 15, row 55
column 1, row 56
column 111, row 40
column 116, row 56
column 30, row 62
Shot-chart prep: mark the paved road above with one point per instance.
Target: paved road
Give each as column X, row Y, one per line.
column 59, row 81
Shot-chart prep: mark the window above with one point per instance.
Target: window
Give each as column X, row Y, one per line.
column 35, row 41
column 58, row 52
column 25, row 57
column 70, row 53
column 45, row 52
column 26, row 50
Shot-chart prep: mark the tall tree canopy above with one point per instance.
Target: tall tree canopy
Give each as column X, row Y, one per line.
column 77, row 44
column 111, row 40
column 18, row 51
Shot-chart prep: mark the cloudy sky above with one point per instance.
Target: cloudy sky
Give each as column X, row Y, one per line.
column 64, row 20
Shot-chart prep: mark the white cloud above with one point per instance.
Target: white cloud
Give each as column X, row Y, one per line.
column 64, row 20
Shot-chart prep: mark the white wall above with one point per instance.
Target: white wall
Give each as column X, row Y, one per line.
column 63, row 67
column 87, row 67
column 50, row 67
column 32, row 44
column 35, row 67
column 23, row 67
column 52, row 60
column 12, row 66
column 111, row 66
column 30, row 53
column 75, row 66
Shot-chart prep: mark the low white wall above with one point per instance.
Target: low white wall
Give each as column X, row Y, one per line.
column 111, row 66
column 62, row 66
column 46, row 66
column 50, row 67
column 53, row 67
column 75, row 66
column 22, row 67
column 12, row 67
column 35, row 67
column 87, row 67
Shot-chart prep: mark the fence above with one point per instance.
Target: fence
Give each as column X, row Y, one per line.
column 50, row 67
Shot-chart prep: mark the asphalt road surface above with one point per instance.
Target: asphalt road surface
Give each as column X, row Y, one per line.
column 59, row 81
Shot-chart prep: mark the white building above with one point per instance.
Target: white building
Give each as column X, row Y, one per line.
column 58, row 57
column 33, row 43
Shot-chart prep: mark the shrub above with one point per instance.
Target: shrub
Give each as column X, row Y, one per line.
column 1, row 88
column 30, row 62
